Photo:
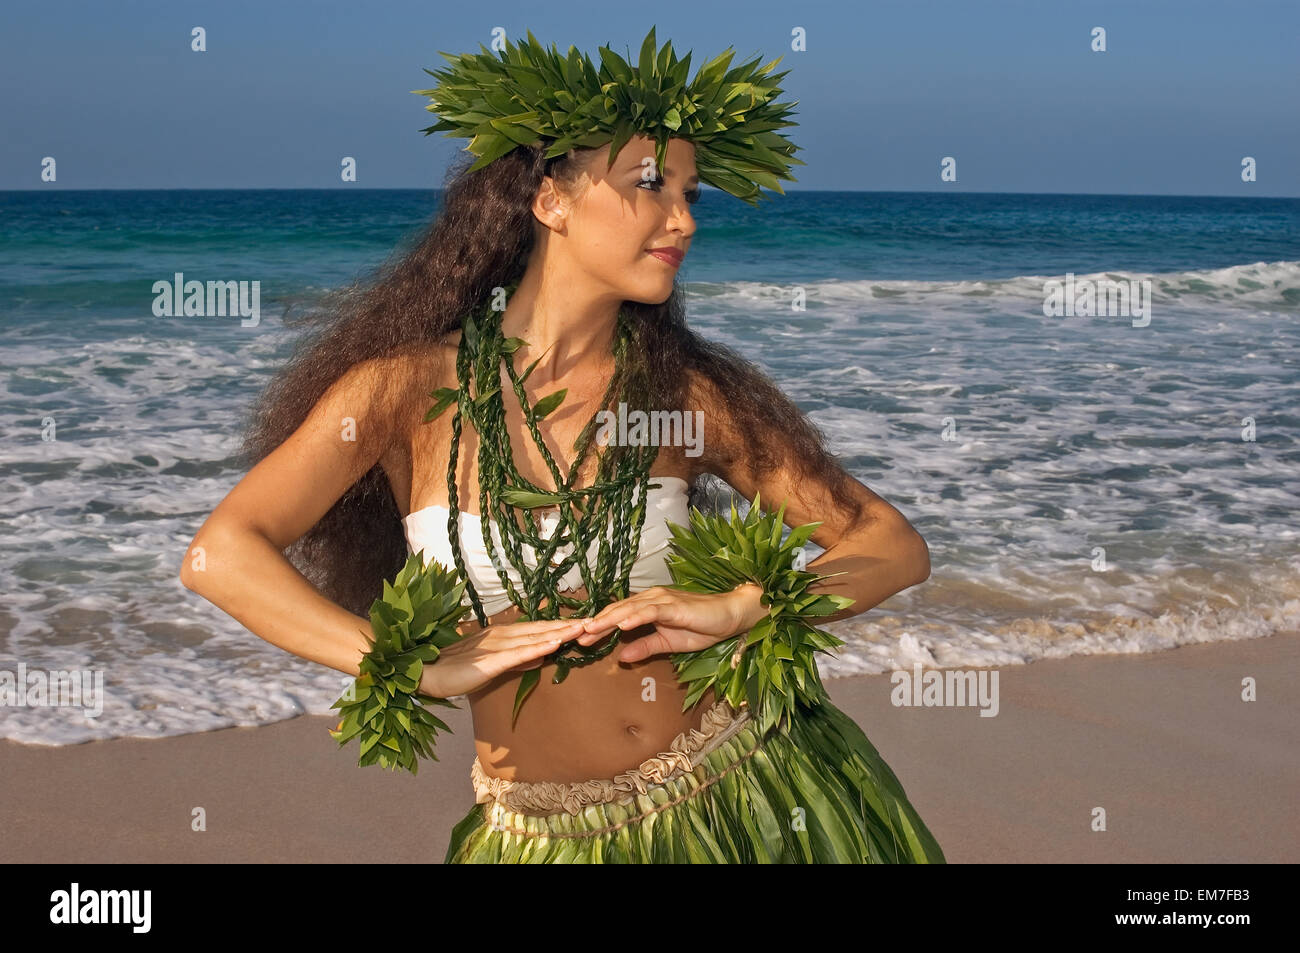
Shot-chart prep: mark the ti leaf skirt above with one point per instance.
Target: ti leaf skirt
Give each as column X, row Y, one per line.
column 813, row 791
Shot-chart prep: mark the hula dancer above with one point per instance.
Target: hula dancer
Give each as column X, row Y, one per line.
column 641, row 672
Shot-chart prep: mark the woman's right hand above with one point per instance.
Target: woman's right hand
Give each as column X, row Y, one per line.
column 475, row 660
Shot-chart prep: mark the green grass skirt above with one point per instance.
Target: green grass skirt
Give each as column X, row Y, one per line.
column 816, row 793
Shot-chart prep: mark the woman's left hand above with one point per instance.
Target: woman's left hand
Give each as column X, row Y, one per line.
column 683, row 621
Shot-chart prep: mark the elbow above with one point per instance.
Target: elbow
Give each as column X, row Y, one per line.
column 194, row 564
column 187, row 572
column 918, row 558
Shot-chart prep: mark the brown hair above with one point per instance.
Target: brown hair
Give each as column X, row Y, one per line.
column 479, row 241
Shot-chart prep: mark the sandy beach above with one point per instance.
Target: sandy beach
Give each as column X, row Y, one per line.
column 1185, row 770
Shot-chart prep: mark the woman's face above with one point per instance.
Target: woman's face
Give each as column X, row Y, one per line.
column 610, row 228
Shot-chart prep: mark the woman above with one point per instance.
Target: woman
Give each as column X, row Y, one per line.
column 352, row 476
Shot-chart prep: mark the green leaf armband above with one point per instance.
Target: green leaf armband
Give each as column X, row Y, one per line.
column 772, row 667
column 412, row 622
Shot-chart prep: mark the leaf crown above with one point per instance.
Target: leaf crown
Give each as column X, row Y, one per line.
column 526, row 94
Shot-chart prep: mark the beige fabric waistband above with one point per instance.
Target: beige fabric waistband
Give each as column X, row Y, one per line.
column 684, row 754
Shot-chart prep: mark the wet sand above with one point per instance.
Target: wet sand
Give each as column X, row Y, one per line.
column 1185, row 770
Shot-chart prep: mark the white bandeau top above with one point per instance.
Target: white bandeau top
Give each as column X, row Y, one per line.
column 427, row 531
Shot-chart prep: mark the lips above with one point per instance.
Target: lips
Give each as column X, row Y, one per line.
column 668, row 254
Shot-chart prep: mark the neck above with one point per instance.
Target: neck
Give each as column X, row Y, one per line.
column 567, row 323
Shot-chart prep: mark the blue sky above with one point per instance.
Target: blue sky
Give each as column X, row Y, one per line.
column 885, row 90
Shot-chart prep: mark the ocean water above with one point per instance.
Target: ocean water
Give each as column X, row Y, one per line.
column 1082, row 481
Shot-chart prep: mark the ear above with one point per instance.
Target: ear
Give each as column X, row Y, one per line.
column 550, row 207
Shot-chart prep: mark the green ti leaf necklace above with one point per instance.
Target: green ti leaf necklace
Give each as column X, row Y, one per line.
column 503, row 491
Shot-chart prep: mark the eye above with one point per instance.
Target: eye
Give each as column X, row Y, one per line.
column 692, row 195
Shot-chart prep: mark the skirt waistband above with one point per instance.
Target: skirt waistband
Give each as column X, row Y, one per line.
column 720, row 723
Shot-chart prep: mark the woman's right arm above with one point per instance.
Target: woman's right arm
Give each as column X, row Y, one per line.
column 236, row 560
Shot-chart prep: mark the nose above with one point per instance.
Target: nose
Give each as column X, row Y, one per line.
column 681, row 219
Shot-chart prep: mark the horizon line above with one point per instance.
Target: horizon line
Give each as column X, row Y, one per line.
column 767, row 197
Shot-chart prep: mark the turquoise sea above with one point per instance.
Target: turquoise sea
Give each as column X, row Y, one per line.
column 1086, row 483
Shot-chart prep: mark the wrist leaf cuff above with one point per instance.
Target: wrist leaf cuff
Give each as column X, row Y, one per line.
column 772, row 667
column 415, row 618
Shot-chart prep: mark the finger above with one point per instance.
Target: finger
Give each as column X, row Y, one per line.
column 541, row 630
column 626, row 624
column 629, row 602
column 653, row 644
column 591, row 638
column 626, row 619
column 609, row 616
column 509, row 659
column 559, row 634
column 543, row 626
column 596, row 632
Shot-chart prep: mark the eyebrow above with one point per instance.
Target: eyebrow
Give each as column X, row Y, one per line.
column 667, row 171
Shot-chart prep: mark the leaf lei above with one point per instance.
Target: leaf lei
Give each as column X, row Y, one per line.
column 412, row 622
column 772, row 667
column 482, row 353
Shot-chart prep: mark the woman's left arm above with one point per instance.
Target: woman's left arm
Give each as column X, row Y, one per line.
column 879, row 553
column 878, row 561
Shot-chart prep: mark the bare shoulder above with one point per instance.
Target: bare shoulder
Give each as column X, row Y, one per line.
column 424, row 366
column 433, row 363
column 415, row 371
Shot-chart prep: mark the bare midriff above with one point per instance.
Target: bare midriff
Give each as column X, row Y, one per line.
column 603, row 719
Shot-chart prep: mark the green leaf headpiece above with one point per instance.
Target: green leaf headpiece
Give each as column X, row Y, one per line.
column 525, row 95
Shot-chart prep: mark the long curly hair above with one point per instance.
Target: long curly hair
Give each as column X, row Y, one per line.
column 481, row 240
